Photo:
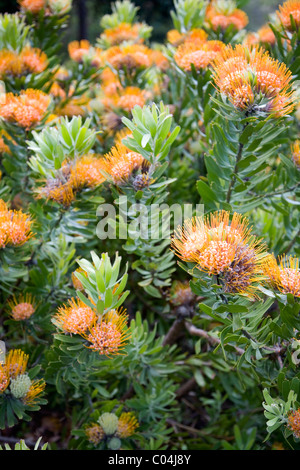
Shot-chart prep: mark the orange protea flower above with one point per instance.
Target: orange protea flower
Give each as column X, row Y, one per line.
column 181, row 293
column 36, row 388
column 294, row 422
column 26, row 109
column 131, row 56
column 15, row 226
column 174, row 37
column 58, row 191
column 127, row 425
column 4, row 148
column 94, row 433
column 74, row 318
column 130, row 97
column 34, row 6
column 266, row 35
column 122, row 32
column 16, row 363
column 159, row 60
column 33, row 60
column 110, row 335
column 220, row 15
column 249, row 76
column 120, row 163
column 223, row 248
column 295, row 147
column 4, row 378
column 10, row 63
column 79, row 49
column 201, row 54
column 196, row 35
column 286, row 276
column 76, row 283
column 87, row 171
column 288, row 9
column 23, row 307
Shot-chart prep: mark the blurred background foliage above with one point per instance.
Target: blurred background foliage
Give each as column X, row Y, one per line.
column 86, row 14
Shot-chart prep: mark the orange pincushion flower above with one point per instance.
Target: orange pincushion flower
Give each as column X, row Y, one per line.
column 196, row 35
column 131, row 56
column 127, row 425
column 30, row 60
column 266, row 35
column 201, row 54
column 288, row 9
column 295, row 147
column 87, row 171
column 174, row 37
column 15, row 226
column 76, row 282
column 120, row 163
column 246, row 76
column 223, row 248
column 122, row 32
column 294, row 422
column 130, row 97
column 36, row 388
column 16, row 363
column 286, row 276
column 181, row 293
column 219, row 15
column 33, row 6
column 9, row 63
column 94, row 433
column 58, row 191
column 26, row 109
column 4, row 378
column 78, row 49
column 22, row 308
column 74, row 318
column 110, row 335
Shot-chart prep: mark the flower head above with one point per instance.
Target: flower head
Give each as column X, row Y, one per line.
column 130, row 97
column 22, row 308
column 87, row 171
column 222, row 14
column 15, row 227
column 109, row 335
column 253, row 81
column 16, row 363
column 121, row 33
column 181, row 293
column 79, row 49
column 284, row 276
column 74, row 318
column 127, row 425
column 288, row 9
column 4, row 378
column 120, row 163
column 33, row 6
column 109, row 423
column 200, row 54
column 94, row 433
column 294, row 422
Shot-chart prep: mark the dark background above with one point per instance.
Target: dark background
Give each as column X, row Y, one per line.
column 85, row 15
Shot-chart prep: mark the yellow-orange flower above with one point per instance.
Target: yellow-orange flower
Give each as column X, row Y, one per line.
column 121, row 33
column 79, row 49
column 4, row 378
column 120, row 163
column 224, row 248
column 266, row 35
column 15, row 226
column 58, row 191
column 222, row 17
column 16, row 363
column 23, row 307
column 26, row 109
column 87, row 171
column 130, row 97
column 246, row 76
column 109, row 335
column 36, row 388
column 295, row 147
column 74, row 318
column 201, row 54
column 174, row 37
column 127, row 425
column 94, row 433
column 76, row 283
column 131, row 56
column 288, row 9
column 284, row 276
column 33, row 6
column 294, row 422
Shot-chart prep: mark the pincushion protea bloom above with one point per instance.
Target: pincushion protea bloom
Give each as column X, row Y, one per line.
column 222, row 14
column 295, row 148
column 87, row 171
column 94, row 433
column 288, row 9
column 181, row 293
column 75, row 281
column 174, row 37
column 33, row 6
column 127, row 425
column 121, row 33
column 15, row 226
column 26, row 109
column 223, row 248
column 201, row 54
column 16, row 362
column 284, row 276
column 58, row 191
column 253, row 81
column 130, row 56
column 293, row 422
column 130, row 97
column 109, row 335
column 120, row 163
column 79, row 49
column 75, row 317
column 36, row 388
column 23, row 307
